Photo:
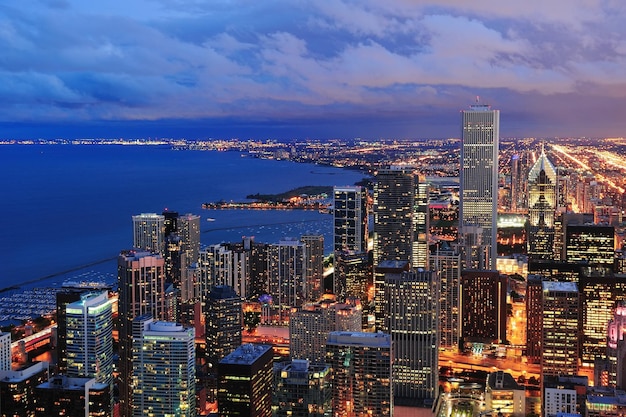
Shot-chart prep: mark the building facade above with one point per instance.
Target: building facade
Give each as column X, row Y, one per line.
column 561, row 342
column 479, row 186
column 245, row 382
column 164, row 379
column 361, row 370
column 89, row 337
column 149, row 232
column 350, row 229
column 542, row 200
column 412, row 315
column 141, row 284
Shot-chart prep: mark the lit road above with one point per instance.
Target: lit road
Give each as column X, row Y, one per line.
column 514, row 366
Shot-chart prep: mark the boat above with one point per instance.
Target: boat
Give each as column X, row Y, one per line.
column 210, row 219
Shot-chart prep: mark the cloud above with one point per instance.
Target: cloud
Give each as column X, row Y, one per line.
column 286, row 59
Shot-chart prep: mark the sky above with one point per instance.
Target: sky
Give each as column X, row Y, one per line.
column 316, row 69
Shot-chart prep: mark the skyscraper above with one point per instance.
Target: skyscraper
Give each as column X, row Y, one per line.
column 223, row 322
column 561, row 341
column 483, row 305
column 542, row 197
column 149, row 232
column 246, row 382
column 479, row 186
column 89, row 330
column 314, row 265
column 310, row 325
column 394, row 214
column 287, row 277
column 163, row 358
column 302, row 389
column 5, row 351
column 413, row 320
column 361, row 367
column 447, row 264
column 141, row 283
column 350, row 215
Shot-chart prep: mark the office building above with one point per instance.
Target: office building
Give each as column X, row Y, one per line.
column 542, row 200
column 534, row 317
column 561, row 342
column 149, row 232
column 314, row 265
column 223, row 318
column 17, row 389
column 246, row 382
column 287, row 278
column 564, row 395
column 352, row 276
column 64, row 297
column 504, row 394
column 302, row 389
column 350, row 230
column 182, row 244
column 394, row 214
column 382, row 271
column 89, row 337
column 225, row 264
column 446, row 262
column 164, row 360
column 412, row 317
column 479, row 186
column 5, row 351
column 602, row 402
column 421, row 220
column 515, row 183
column 310, row 325
column 63, row 396
column 361, row 367
column 483, row 306
column 599, row 294
column 141, row 283
column 616, row 349
column 590, row 244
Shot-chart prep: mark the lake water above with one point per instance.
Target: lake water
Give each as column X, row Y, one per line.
column 65, row 207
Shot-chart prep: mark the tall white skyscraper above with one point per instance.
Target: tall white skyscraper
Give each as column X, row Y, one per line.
column 164, row 381
column 89, row 330
column 479, row 186
column 149, row 232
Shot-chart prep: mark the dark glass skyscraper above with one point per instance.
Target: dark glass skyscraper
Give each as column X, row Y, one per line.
column 542, row 182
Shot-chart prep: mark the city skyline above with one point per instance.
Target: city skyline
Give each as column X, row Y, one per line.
column 333, row 69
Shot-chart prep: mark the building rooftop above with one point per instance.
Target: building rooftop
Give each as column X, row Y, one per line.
column 560, row 286
column 245, row 354
column 360, row 339
column 502, row 381
column 24, row 373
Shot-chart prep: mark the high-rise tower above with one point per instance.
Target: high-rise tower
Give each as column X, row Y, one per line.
column 350, row 215
column 141, row 283
column 89, row 338
column 149, row 232
column 314, row 265
column 479, row 186
column 542, row 182
column 394, row 208
column 412, row 318
column 164, row 378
